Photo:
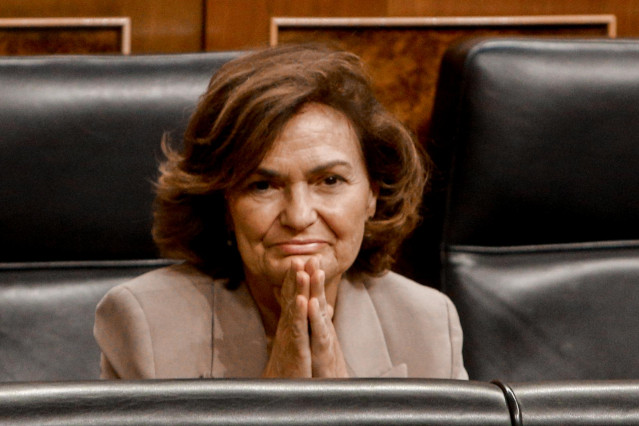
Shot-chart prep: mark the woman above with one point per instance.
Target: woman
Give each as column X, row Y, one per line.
column 292, row 193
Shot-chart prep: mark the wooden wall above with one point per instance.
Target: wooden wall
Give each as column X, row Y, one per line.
column 234, row 24
column 157, row 26
column 195, row 25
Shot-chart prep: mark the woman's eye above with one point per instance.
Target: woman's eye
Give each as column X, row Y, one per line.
column 333, row 180
column 260, row 186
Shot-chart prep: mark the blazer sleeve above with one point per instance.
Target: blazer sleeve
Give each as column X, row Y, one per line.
column 421, row 327
column 122, row 332
column 456, row 341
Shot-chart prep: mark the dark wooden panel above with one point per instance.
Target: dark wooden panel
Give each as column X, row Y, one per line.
column 236, row 24
column 33, row 36
column 404, row 55
column 156, row 25
column 26, row 41
column 626, row 11
column 241, row 24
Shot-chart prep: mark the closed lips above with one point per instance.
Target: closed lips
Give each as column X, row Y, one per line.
column 300, row 246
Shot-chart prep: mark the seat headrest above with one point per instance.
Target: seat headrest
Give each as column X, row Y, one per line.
column 79, row 148
column 545, row 140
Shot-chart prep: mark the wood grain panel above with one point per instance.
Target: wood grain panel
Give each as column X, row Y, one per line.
column 29, row 41
column 626, row 11
column 156, row 25
column 242, row 24
column 33, row 36
column 237, row 24
column 404, row 55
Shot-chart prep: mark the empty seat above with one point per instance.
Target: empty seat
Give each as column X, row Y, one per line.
column 540, row 243
column 79, row 149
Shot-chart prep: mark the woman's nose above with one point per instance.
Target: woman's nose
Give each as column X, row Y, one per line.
column 299, row 212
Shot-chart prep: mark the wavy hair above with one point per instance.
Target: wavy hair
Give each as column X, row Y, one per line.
column 237, row 120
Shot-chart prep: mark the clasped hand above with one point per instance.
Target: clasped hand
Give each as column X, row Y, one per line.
column 305, row 343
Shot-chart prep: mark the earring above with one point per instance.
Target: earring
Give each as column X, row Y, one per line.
column 230, row 239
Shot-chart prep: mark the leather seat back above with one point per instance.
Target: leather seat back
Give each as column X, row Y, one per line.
column 540, row 243
column 80, row 144
column 253, row 402
column 576, row 403
column 79, row 148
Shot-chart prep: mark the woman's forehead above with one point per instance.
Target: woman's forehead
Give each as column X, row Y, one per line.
column 317, row 134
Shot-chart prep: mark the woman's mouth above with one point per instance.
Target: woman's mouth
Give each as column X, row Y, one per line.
column 300, row 247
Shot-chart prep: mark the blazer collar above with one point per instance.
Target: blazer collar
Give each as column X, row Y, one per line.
column 361, row 335
column 239, row 339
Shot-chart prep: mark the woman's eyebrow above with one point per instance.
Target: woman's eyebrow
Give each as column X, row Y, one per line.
column 329, row 165
column 270, row 173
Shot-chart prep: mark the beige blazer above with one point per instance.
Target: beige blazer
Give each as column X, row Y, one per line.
column 179, row 323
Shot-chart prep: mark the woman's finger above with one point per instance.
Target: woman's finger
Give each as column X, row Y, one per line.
column 317, row 288
column 294, row 310
column 320, row 331
column 327, row 359
column 290, row 352
column 289, row 287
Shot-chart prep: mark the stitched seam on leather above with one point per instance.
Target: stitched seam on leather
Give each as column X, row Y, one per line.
column 545, row 248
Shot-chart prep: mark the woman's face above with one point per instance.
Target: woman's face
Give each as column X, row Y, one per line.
column 310, row 197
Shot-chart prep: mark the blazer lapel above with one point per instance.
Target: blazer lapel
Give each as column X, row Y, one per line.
column 239, row 340
column 360, row 334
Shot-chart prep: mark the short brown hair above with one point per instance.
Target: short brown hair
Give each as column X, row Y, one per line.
column 248, row 102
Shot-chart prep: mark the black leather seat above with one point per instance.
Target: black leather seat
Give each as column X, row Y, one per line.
column 255, row 402
column 46, row 318
column 79, row 147
column 314, row 402
column 575, row 403
column 541, row 242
